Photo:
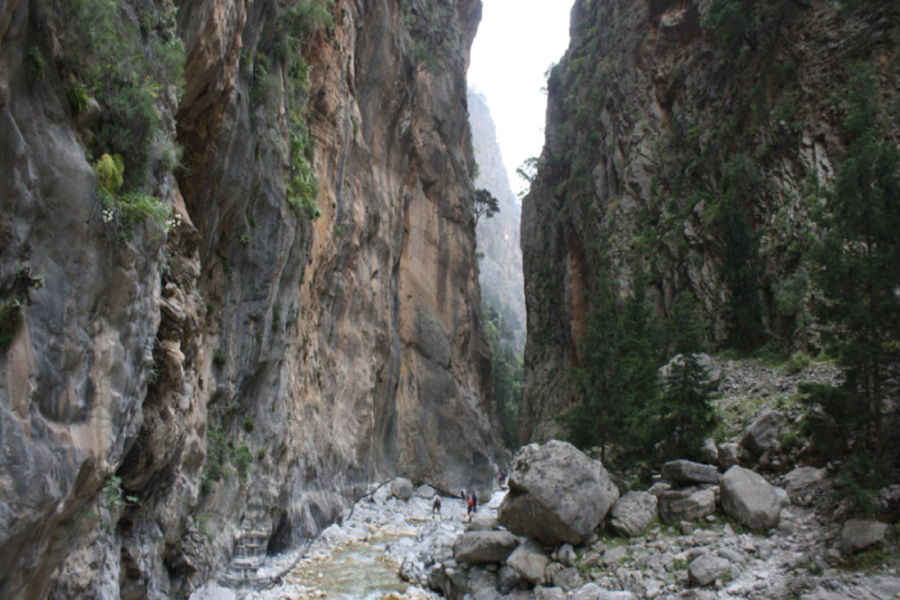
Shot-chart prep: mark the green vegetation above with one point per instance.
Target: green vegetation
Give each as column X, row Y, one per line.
column 857, row 267
column 220, row 452
column 732, row 19
column 37, row 66
column 249, row 425
column 220, row 357
column 114, row 494
column 125, row 66
column 124, row 212
column 12, row 316
column 484, row 205
column 507, row 372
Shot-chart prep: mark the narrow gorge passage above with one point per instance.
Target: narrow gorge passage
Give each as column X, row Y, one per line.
column 260, row 257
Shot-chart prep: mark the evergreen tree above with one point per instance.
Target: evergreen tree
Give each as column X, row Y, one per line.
column 507, row 373
column 740, row 271
column 859, row 271
column 484, row 204
column 618, row 379
column 686, row 413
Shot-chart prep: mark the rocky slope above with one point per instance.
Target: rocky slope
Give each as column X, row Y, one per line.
column 656, row 125
column 243, row 368
column 498, row 237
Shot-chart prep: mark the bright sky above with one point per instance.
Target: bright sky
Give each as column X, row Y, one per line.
column 516, row 42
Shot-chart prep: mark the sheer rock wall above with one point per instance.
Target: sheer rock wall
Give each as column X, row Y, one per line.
column 652, row 121
column 302, row 358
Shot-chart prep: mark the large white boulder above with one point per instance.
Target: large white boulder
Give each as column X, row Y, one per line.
column 556, row 494
column 477, row 547
column 631, row 514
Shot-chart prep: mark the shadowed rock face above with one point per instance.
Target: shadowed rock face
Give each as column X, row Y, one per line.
column 649, row 114
column 305, row 358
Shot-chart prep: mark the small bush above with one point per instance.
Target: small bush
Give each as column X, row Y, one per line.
column 12, row 316
column 220, row 357
column 249, row 426
column 37, row 67
column 796, row 363
column 261, row 453
column 789, row 441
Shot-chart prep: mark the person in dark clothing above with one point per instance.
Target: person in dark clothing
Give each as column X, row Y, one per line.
column 470, row 506
column 436, row 505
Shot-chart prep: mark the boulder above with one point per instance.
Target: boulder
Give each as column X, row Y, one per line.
column 686, row 505
column 704, row 360
column 483, row 522
column 507, row 579
column 705, row 569
column 478, row 547
column 803, row 479
column 425, row 491
column 749, row 498
column 764, row 433
column 529, row 561
column 685, row 471
column 556, row 494
column 729, row 455
column 631, row 513
column 567, row 578
column 592, row 591
column 709, row 452
column 859, row 534
column 402, row 488
column 566, row 555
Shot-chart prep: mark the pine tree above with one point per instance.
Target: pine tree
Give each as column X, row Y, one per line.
column 741, row 271
column 686, row 412
column 859, row 266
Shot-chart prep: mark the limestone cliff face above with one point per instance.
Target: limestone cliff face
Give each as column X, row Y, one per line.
column 254, row 368
column 498, row 237
column 652, row 121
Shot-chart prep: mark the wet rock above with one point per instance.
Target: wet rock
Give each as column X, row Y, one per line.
column 686, row 505
column 556, row 494
column 764, row 433
column 706, row 569
column 685, row 471
column 402, row 488
column 859, row 534
column 749, row 498
column 631, row 513
column 529, row 561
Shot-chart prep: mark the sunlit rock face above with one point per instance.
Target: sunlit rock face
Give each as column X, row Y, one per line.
column 256, row 368
column 652, row 121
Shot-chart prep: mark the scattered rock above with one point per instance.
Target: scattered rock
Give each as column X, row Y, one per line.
column 483, row 522
column 685, row 471
column 631, row 513
column 686, row 505
column 556, row 494
column 706, row 569
column 566, row 555
column 425, row 491
column 529, row 561
column 749, row 498
column 859, row 534
column 567, row 578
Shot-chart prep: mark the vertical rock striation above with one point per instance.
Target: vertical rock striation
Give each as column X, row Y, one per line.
column 166, row 396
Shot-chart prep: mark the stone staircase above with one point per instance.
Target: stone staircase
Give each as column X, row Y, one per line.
column 243, row 572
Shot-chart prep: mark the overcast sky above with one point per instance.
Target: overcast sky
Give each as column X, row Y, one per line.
column 516, row 42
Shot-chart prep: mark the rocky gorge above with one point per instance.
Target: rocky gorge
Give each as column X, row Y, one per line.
column 241, row 306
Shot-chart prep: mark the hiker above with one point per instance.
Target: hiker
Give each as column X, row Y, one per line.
column 474, row 502
column 470, row 506
column 436, row 505
column 501, row 478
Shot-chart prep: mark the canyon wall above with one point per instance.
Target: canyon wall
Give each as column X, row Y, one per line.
column 500, row 254
column 304, row 322
column 661, row 119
